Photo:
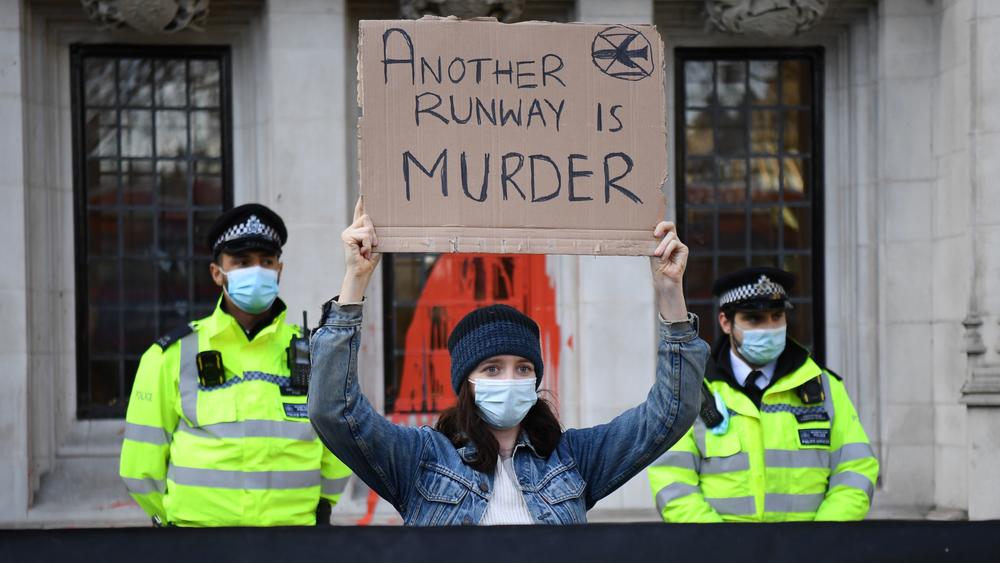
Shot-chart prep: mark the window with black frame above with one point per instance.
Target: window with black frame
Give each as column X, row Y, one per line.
column 749, row 189
column 153, row 170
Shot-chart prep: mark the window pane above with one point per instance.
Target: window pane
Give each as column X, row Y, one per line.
column 173, row 182
column 699, row 277
column 99, row 82
column 797, row 129
column 141, row 333
column 205, row 83
column 795, row 82
column 171, row 133
column 731, row 134
column 104, row 376
column 798, row 227
column 138, row 182
column 101, row 133
column 173, row 232
column 732, row 229
column 699, row 132
column 134, row 86
column 728, row 264
column 102, row 282
column 137, row 233
column 102, row 233
column 700, row 229
column 207, row 189
column 800, row 324
column 796, row 179
column 801, row 267
column 732, row 181
column 206, row 133
column 102, row 179
column 173, row 279
column 698, row 83
column 764, row 180
column 764, row 82
column 764, row 228
column 202, row 223
column 764, row 132
column 138, row 282
column 732, row 82
column 171, row 85
column 105, row 331
column 137, row 133
column 700, row 180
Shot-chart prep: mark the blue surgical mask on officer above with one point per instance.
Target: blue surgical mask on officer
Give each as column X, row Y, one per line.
column 761, row 346
column 504, row 403
column 252, row 289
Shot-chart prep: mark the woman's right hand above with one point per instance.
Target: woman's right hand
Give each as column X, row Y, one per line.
column 360, row 257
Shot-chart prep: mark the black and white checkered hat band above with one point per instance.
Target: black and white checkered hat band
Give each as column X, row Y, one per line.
column 763, row 288
column 251, row 227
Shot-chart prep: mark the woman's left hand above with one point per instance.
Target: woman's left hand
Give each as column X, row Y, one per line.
column 668, row 263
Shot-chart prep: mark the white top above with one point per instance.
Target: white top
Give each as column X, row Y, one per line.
column 507, row 505
column 741, row 370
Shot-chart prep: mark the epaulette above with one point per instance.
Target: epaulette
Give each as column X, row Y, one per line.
column 169, row 338
column 833, row 373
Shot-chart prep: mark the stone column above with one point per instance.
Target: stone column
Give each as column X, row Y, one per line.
column 302, row 168
column 981, row 392
column 14, row 491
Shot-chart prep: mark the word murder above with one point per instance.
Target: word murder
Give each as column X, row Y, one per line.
column 534, row 177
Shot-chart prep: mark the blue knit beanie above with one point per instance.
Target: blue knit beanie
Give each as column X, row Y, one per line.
column 493, row 331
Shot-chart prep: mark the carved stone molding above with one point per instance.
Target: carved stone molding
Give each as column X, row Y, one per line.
column 148, row 16
column 503, row 10
column 769, row 18
column 973, row 339
column 982, row 389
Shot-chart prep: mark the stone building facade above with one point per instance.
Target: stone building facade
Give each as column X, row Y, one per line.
column 904, row 123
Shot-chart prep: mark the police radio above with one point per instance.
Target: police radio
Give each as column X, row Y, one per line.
column 298, row 358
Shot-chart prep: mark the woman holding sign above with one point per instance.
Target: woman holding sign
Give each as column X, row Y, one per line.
column 500, row 455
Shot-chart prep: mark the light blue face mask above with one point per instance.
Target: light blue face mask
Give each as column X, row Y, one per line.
column 762, row 346
column 252, row 289
column 504, row 403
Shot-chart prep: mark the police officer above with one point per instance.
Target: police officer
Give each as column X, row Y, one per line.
column 778, row 438
column 216, row 432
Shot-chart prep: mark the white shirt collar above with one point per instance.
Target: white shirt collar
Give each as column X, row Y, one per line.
column 741, row 370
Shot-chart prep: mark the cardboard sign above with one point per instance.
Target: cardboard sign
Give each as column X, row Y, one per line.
column 536, row 137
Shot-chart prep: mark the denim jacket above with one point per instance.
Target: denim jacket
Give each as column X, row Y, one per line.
column 427, row 479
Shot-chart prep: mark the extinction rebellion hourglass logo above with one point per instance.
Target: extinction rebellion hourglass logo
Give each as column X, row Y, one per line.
column 622, row 52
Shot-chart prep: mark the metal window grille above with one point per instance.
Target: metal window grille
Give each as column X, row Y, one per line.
column 152, row 159
column 750, row 174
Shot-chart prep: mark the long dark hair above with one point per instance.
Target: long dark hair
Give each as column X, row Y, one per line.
column 462, row 424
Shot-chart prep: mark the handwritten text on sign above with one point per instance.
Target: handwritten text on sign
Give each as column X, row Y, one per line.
column 536, row 137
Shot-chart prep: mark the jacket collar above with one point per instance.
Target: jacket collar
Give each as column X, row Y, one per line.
column 221, row 321
column 468, row 451
column 720, row 368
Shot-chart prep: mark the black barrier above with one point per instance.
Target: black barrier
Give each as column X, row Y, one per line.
column 882, row 541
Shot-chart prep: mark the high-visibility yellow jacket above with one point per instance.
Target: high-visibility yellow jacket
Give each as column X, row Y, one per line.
column 242, row 453
column 785, row 461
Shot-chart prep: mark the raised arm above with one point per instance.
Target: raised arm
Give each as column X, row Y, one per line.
column 610, row 454
column 383, row 455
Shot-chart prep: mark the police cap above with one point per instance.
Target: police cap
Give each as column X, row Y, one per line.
column 754, row 289
column 251, row 226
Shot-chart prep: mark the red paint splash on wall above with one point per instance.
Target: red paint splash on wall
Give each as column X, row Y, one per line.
column 457, row 284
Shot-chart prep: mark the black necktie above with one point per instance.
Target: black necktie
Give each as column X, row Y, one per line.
column 750, row 388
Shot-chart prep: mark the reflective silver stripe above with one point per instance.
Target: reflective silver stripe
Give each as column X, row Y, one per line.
column 739, row 506
column 850, row 452
column 144, row 486
column 288, row 430
column 685, row 460
column 148, row 434
column 189, row 377
column 333, row 486
column 827, row 396
column 699, row 435
column 853, row 479
column 774, row 502
column 735, row 462
column 220, row 479
column 672, row 492
column 797, row 458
